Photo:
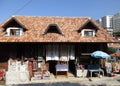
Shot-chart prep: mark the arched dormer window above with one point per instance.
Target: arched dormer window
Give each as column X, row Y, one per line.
column 53, row 28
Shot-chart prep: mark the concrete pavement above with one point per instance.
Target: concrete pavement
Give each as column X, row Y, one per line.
column 73, row 81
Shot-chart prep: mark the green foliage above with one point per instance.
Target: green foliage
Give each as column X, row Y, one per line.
column 111, row 50
column 117, row 33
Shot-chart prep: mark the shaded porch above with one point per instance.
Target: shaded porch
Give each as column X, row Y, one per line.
column 80, row 51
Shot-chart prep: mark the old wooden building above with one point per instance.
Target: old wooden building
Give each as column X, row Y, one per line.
column 53, row 38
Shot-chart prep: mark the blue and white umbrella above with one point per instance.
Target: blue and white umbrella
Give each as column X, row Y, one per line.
column 100, row 54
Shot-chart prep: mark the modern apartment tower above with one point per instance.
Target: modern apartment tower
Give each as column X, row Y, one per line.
column 106, row 21
column 116, row 21
column 110, row 21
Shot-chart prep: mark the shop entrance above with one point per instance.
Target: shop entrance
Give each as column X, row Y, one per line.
column 52, row 65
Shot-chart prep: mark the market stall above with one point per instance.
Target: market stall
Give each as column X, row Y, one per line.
column 17, row 72
column 62, row 67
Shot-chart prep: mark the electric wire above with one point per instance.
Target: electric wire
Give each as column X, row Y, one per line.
column 20, row 9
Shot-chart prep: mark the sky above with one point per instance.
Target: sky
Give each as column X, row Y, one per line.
column 68, row 8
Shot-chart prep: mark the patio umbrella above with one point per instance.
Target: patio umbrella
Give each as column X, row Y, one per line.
column 99, row 54
column 117, row 54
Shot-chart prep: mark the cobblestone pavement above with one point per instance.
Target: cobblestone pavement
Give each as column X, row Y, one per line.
column 104, row 81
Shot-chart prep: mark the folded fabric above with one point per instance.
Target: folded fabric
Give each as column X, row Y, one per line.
column 61, row 67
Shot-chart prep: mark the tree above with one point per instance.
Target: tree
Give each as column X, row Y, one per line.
column 111, row 50
column 116, row 33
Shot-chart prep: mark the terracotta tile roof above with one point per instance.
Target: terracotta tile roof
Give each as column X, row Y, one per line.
column 117, row 54
column 36, row 26
column 114, row 45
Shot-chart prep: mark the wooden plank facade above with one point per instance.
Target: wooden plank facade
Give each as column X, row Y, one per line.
column 28, row 36
column 35, row 50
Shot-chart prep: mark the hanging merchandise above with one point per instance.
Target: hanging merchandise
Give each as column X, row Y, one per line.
column 17, row 72
column 43, row 66
column 55, row 52
column 24, row 76
column 34, row 65
column 40, row 59
column 11, row 65
column 48, row 52
column 71, row 52
column 63, row 53
column 24, row 66
column 52, row 52
column 30, row 67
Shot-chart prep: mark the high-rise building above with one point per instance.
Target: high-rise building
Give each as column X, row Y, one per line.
column 99, row 21
column 110, row 21
column 116, row 21
column 106, row 21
